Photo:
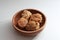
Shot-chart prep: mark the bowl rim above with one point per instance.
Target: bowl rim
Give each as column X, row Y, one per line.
column 28, row 31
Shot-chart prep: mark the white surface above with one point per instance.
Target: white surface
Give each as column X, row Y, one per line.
column 51, row 8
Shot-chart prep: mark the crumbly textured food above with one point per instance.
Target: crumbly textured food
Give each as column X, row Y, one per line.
column 37, row 25
column 22, row 22
column 32, row 25
column 29, row 21
column 36, row 17
column 26, row 14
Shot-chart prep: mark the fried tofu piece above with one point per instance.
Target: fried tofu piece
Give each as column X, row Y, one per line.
column 36, row 17
column 26, row 14
column 32, row 25
column 22, row 22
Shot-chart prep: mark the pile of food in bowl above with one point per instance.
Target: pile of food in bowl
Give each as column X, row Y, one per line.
column 29, row 21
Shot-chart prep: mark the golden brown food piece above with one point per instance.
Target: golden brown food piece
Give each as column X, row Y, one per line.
column 28, row 27
column 36, row 17
column 32, row 25
column 26, row 14
column 22, row 22
column 37, row 25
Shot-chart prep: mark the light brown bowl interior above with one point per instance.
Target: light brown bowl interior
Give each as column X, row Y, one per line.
column 18, row 15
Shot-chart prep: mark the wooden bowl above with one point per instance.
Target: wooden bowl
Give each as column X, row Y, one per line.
column 29, row 33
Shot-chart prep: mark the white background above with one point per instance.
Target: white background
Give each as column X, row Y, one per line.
column 51, row 9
